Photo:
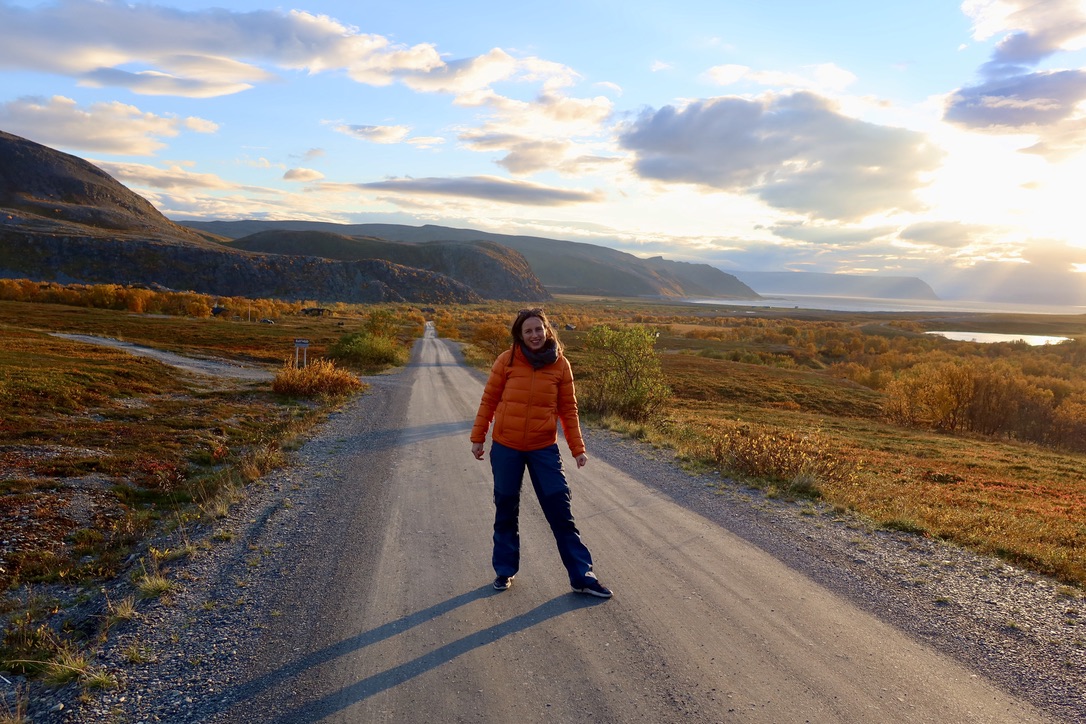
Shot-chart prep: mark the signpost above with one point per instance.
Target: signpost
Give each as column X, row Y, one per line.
column 301, row 346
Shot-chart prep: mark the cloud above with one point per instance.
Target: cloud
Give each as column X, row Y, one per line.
column 824, row 77
column 463, row 76
column 489, row 188
column 103, row 127
column 793, row 151
column 302, row 174
column 1042, row 272
column 828, row 235
column 946, row 234
column 156, row 49
column 173, row 179
column 1013, row 98
column 543, row 134
column 426, row 141
column 1034, row 30
column 375, row 134
column 659, row 65
column 154, row 83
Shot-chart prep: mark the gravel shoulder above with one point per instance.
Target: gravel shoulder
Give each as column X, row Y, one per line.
column 179, row 658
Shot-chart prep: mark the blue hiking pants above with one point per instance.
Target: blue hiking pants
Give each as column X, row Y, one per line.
column 545, row 470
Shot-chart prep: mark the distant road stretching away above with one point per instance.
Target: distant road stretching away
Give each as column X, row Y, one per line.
column 391, row 616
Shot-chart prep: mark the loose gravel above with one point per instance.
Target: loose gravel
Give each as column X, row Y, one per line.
column 181, row 656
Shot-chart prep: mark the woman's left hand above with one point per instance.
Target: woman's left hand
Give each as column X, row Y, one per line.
column 581, row 460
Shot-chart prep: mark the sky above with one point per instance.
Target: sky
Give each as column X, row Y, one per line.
column 931, row 139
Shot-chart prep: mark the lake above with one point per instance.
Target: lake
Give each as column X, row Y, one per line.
column 1035, row 340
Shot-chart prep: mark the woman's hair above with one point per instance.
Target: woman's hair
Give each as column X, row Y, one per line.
column 518, row 324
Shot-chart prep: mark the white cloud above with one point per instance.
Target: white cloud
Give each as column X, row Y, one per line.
column 173, row 178
column 302, row 174
column 103, row 127
column 488, row 188
column 426, row 141
column 659, row 65
column 794, row 152
column 375, row 134
column 465, row 76
column 161, row 50
column 826, row 77
column 1013, row 97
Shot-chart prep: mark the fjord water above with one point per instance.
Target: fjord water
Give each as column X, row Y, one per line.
column 866, row 304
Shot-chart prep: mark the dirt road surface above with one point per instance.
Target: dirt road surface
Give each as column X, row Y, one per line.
column 384, row 611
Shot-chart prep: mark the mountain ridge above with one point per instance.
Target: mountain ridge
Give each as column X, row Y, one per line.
column 567, row 267
column 64, row 219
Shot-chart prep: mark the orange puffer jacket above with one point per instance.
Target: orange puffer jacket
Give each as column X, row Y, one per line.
column 526, row 404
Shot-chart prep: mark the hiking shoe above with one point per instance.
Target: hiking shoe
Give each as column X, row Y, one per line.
column 503, row 582
column 593, row 588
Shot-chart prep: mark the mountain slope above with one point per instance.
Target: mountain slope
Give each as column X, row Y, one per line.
column 53, row 190
column 838, row 285
column 562, row 266
column 492, row 270
column 64, row 219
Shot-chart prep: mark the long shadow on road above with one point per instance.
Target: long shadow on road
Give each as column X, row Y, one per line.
column 345, row 697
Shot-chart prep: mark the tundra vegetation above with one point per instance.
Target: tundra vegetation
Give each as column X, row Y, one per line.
column 979, row 444
column 104, row 454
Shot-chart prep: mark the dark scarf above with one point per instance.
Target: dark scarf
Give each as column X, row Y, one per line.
column 546, row 356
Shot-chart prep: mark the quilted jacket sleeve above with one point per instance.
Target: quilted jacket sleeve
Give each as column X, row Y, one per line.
column 567, row 410
column 492, row 395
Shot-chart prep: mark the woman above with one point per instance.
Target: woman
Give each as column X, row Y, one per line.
column 530, row 389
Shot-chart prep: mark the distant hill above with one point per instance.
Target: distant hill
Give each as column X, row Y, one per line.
column 563, row 266
column 492, row 270
column 64, row 219
column 838, row 285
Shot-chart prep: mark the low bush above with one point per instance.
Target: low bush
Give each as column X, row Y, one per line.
column 800, row 461
column 318, row 378
column 362, row 349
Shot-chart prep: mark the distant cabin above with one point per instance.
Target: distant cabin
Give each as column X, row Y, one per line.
column 317, row 312
column 571, row 327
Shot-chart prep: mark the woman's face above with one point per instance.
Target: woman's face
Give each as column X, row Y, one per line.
column 533, row 333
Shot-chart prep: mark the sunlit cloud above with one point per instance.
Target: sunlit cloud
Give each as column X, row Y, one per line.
column 946, row 234
column 490, row 188
column 1015, row 98
column 374, row 134
column 794, row 152
column 826, row 77
column 111, row 127
column 424, row 142
column 174, row 178
column 302, row 174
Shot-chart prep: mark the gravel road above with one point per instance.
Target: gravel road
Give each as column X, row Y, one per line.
column 342, row 591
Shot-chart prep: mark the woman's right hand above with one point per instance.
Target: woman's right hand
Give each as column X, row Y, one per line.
column 477, row 450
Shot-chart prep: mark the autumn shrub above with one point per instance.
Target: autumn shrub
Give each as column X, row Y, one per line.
column 491, row 337
column 318, row 378
column 801, row 461
column 626, row 375
column 363, row 349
